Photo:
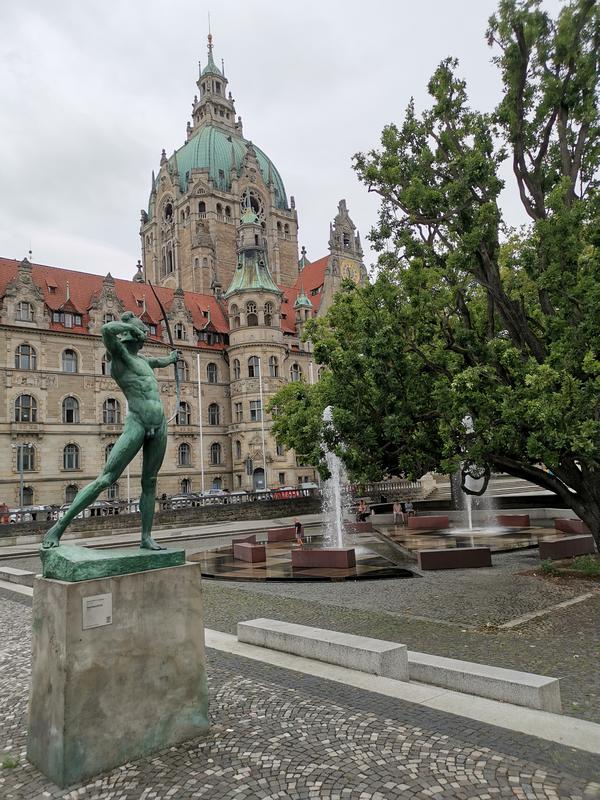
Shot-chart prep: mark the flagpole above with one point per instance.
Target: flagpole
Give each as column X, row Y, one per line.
column 128, row 475
column 262, row 420
column 200, row 420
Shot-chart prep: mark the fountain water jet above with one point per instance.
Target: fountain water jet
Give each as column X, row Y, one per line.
column 333, row 495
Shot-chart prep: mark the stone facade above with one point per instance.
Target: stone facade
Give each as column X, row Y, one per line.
column 219, row 241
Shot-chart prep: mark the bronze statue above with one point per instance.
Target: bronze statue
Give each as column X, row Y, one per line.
column 145, row 425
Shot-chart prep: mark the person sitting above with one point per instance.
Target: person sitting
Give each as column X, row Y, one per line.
column 409, row 508
column 362, row 512
column 398, row 513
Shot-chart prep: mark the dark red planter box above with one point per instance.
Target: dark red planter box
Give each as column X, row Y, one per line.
column 331, row 557
column 281, row 534
column 431, row 523
column 251, row 539
column 455, row 558
column 358, row 527
column 513, row 520
column 571, row 526
column 567, row 547
column 246, row 551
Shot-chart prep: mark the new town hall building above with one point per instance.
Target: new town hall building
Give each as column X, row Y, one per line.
column 220, row 244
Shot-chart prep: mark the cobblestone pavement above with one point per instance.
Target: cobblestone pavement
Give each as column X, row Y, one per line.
column 277, row 734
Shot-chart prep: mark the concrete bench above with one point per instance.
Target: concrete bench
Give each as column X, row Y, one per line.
column 13, row 575
column 571, row 526
column 281, row 534
column 566, row 547
column 246, row 551
column 377, row 657
column 429, row 522
column 513, row 520
column 507, row 685
column 455, row 558
column 324, row 557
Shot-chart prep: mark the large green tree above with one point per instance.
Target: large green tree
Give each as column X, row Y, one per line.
column 466, row 317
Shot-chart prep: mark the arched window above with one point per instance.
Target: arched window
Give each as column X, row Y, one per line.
column 238, row 449
column 112, row 493
column 213, row 414
column 253, row 367
column 268, row 313
column 217, row 483
column 184, row 455
column 286, row 230
column 71, row 493
column 273, row 367
column 236, row 369
column 227, row 211
column 183, row 371
column 25, row 357
column 105, row 365
column 211, row 372
column 27, row 496
column 251, row 316
column 108, row 318
column 25, row 457
column 70, row 410
column 280, row 449
column 71, row 457
column 219, row 208
column 295, row 373
column 215, row 453
column 233, row 309
column 111, row 411
column 184, row 415
column 279, row 229
column 236, row 322
column 202, row 207
column 69, row 361
column 179, row 331
column 185, row 486
column 107, row 450
column 24, row 312
column 25, row 408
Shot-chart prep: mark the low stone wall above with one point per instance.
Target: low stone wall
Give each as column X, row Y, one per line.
column 180, row 517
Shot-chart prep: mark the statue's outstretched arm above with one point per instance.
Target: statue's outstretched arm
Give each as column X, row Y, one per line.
column 157, row 363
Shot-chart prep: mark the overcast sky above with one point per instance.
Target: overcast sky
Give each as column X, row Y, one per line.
column 90, row 92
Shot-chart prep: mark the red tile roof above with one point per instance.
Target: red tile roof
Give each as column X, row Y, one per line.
column 84, row 287
column 310, row 279
column 204, row 308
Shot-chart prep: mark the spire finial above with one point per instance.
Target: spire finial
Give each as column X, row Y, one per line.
column 210, row 44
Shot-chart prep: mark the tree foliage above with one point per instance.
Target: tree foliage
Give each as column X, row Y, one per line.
column 467, row 317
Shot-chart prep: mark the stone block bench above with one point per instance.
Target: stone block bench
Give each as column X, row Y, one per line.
column 513, row 520
column 246, row 551
column 324, row 557
column 454, row 558
column 281, row 534
column 571, row 526
column 14, row 575
column 429, row 522
column 375, row 656
column 392, row 660
column 507, row 685
column 566, row 547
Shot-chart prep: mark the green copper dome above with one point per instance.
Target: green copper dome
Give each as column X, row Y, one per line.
column 252, row 274
column 302, row 301
column 213, row 149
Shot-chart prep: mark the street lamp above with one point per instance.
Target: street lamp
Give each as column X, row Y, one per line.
column 20, row 455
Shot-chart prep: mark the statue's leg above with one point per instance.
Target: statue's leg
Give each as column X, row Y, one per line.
column 154, row 452
column 126, row 446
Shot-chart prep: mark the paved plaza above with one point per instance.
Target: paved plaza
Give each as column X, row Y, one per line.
column 282, row 734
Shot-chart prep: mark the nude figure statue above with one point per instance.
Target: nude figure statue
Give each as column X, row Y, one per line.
column 145, row 425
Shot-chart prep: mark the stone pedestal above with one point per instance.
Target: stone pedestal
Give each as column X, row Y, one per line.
column 324, row 557
column 118, row 670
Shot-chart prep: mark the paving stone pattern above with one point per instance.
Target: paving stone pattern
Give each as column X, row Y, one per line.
column 277, row 734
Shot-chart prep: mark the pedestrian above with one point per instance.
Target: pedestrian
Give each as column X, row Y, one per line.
column 398, row 513
column 362, row 512
column 410, row 511
column 298, row 530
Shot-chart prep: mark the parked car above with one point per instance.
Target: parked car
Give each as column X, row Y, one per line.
column 285, row 492
column 31, row 514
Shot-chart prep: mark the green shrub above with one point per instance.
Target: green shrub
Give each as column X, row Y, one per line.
column 10, row 762
column 548, row 567
column 589, row 565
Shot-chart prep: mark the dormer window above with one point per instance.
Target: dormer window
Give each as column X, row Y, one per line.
column 217, row 87
column 24, row 312
column 346, row 240
column 179, row 331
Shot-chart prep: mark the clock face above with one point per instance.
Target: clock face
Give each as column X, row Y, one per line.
column 350, row 270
